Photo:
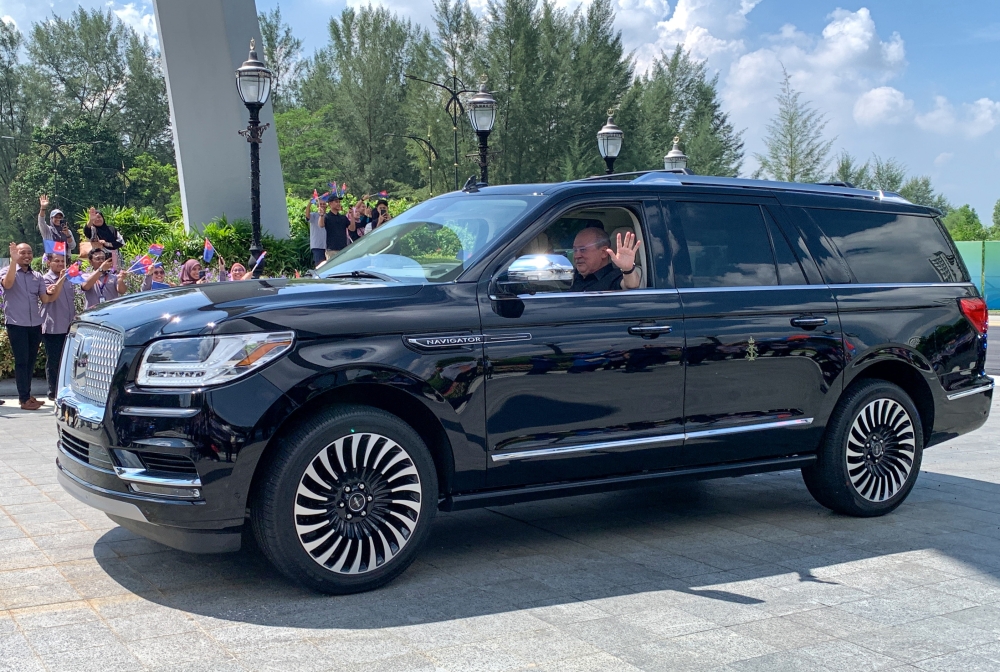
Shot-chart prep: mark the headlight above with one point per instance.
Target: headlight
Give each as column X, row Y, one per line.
column 209, row 360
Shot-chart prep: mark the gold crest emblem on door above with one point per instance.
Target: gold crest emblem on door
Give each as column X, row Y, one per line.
column 752, row 351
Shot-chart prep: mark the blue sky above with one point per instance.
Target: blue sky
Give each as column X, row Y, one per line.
column 910, row 79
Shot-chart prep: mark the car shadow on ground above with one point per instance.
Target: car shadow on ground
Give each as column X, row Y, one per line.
column 696, row 545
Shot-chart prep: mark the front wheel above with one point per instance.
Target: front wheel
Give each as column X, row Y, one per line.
column 346, row 501
column 870, row 456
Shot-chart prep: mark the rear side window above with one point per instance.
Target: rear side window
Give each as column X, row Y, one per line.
column 789, row 269
column 890, row 248
column 721, row 245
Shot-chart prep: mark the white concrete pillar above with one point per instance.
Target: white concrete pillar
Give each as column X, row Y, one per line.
column 202, row 42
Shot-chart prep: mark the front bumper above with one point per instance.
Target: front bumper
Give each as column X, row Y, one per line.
column 194, row 496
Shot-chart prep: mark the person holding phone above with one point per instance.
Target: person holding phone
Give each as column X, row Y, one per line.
column 102, row 285
column 381, row 214
column 56, row 229
column 103, row 236
column 191, row 273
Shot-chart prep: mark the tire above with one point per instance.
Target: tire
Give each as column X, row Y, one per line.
column 870, row 455
column 346, row 501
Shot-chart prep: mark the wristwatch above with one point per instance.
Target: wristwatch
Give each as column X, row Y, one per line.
column 629, row 271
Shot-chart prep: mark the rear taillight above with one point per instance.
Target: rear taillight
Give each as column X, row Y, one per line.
column 975, row 311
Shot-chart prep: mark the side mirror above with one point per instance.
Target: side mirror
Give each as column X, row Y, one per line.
column 536, row 273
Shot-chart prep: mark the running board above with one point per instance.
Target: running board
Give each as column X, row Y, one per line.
column 475, row 500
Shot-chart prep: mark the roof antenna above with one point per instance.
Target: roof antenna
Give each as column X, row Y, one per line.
column 471, row 185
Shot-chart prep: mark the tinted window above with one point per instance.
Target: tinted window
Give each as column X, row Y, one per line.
column 884, row 247
column 789, row 270
column 721, row 245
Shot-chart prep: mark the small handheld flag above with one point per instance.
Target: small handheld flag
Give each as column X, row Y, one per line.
column 209, row 251
column 257, row 263
column 159, row 285
column 141, row 265
column 383, row 194
column 155, row 249
column 55, row 247
column 74, row 274
column 315, row 198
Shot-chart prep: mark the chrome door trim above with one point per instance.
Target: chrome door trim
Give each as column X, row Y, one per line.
column 899, row 285
column 966, row 393
column 662, row 438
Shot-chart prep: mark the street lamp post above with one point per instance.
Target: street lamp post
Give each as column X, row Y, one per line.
column 675, row 160
column 482, row 109
column 453, row 107
column 253, row 81
column 609, row 142
column 429, row 152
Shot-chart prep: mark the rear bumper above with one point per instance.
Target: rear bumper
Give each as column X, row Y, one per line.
column 963, row 411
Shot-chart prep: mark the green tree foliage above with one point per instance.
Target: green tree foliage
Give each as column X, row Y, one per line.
column 888, row 175
column 677, row 97
column 963, row 224
column 283, row 55
column 308, row 146
column 796, row 148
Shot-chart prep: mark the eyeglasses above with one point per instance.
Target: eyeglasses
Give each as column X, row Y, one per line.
column 577, row 249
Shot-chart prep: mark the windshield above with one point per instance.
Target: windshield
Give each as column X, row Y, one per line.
column 431, row 242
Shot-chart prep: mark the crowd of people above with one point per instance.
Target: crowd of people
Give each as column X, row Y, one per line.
column 331, row 230
column 39, row 308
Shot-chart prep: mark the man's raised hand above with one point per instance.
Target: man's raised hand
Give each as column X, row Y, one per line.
column 624, row 258
column 43, row 202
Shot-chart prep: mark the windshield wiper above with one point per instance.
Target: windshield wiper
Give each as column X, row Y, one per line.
column 363, row 274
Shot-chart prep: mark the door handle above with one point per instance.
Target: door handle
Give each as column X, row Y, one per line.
column 808, row 322
column 649, row 331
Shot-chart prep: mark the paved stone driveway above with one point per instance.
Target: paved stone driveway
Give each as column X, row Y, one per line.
column 737, row 574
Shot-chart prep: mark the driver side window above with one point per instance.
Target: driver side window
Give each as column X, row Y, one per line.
column 583, row 245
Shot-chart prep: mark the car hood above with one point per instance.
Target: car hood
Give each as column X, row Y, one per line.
column 311, row 307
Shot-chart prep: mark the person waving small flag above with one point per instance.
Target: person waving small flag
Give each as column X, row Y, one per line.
column 155, row 250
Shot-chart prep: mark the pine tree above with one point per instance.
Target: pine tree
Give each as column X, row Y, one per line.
column 283, row 55
column 796, row 150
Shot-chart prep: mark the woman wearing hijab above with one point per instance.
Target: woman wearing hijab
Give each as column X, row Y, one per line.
column 103, row 236
column 191, row 273
column 238, row 272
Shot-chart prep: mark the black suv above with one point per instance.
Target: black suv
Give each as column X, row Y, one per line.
column 449, row 360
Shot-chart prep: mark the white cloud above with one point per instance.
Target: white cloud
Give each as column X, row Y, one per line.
column 974, row 119
column 140, row 18
column 7, row 18
column 943, row 158
column 882, row 105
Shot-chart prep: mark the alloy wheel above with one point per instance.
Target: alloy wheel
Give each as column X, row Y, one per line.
column 357, row 503
column 880, row 449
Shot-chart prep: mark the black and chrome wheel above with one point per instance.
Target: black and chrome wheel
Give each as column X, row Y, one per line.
column 346, row 500
column 870, row 456
column 357, row 503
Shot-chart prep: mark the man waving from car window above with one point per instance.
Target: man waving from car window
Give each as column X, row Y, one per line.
column 598, row 267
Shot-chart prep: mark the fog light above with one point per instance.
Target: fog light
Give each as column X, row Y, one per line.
column 165, row 490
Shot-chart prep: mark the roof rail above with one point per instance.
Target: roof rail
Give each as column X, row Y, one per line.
column 679, row 179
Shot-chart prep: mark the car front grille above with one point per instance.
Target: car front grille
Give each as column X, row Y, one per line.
column 165, row 462
column 91, row 361
column 85, row 452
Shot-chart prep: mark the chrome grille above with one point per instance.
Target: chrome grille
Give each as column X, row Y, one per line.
column 92, row 361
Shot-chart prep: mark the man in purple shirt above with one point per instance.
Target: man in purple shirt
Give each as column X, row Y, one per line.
column 56, row 318
column 23, row 289
column 102, row 285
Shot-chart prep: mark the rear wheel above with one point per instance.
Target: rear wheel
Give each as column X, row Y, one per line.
column 347, row 500
column 871, row 454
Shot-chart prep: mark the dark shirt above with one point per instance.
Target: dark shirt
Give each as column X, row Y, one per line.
column 336, row 231
column 606, row 278
column 107, row 233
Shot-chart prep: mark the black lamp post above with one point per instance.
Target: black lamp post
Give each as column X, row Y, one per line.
column 609, row 142
column 482, row 109
column 253, row 80
column 453, row 107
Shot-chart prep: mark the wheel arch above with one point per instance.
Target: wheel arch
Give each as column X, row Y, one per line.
column 395, row 399
column 905, row 374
